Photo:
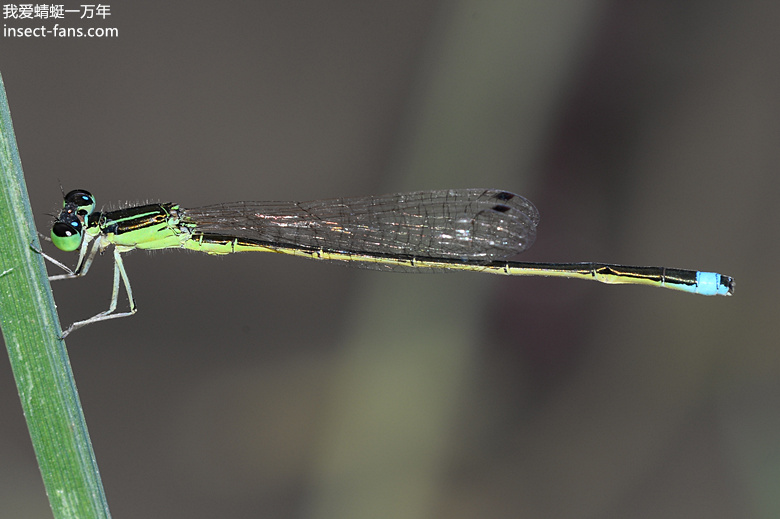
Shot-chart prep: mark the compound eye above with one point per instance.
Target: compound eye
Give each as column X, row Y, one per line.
column 82, row 199
column 66, row 235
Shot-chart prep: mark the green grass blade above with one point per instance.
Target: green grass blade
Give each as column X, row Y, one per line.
column 38, row 357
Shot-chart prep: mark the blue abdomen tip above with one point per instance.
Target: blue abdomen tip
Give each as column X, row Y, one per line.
column 713, row 284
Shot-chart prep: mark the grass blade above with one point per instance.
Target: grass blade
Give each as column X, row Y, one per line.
column 38, row 357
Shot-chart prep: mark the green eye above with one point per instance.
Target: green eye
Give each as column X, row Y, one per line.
column 66, row 235
column 82, row 199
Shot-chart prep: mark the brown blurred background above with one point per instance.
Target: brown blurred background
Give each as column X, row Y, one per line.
column 267, row 386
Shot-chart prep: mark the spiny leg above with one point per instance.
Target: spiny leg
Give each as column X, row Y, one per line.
column 119, row 271
column 84, row 261
column 53, row 261
column 82, row 264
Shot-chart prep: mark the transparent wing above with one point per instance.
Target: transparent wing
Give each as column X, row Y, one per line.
column 467, row 224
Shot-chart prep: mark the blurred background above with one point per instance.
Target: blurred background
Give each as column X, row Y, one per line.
column 267, row 386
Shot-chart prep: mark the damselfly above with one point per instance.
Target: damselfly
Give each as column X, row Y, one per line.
column 458, row 229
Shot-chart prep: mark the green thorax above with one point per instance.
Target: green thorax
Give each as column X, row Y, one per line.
column 151, row 226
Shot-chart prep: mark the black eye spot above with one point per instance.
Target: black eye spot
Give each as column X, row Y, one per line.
column 504, row 196
column 501, row 208
column 64, row 230
column 80, row 197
